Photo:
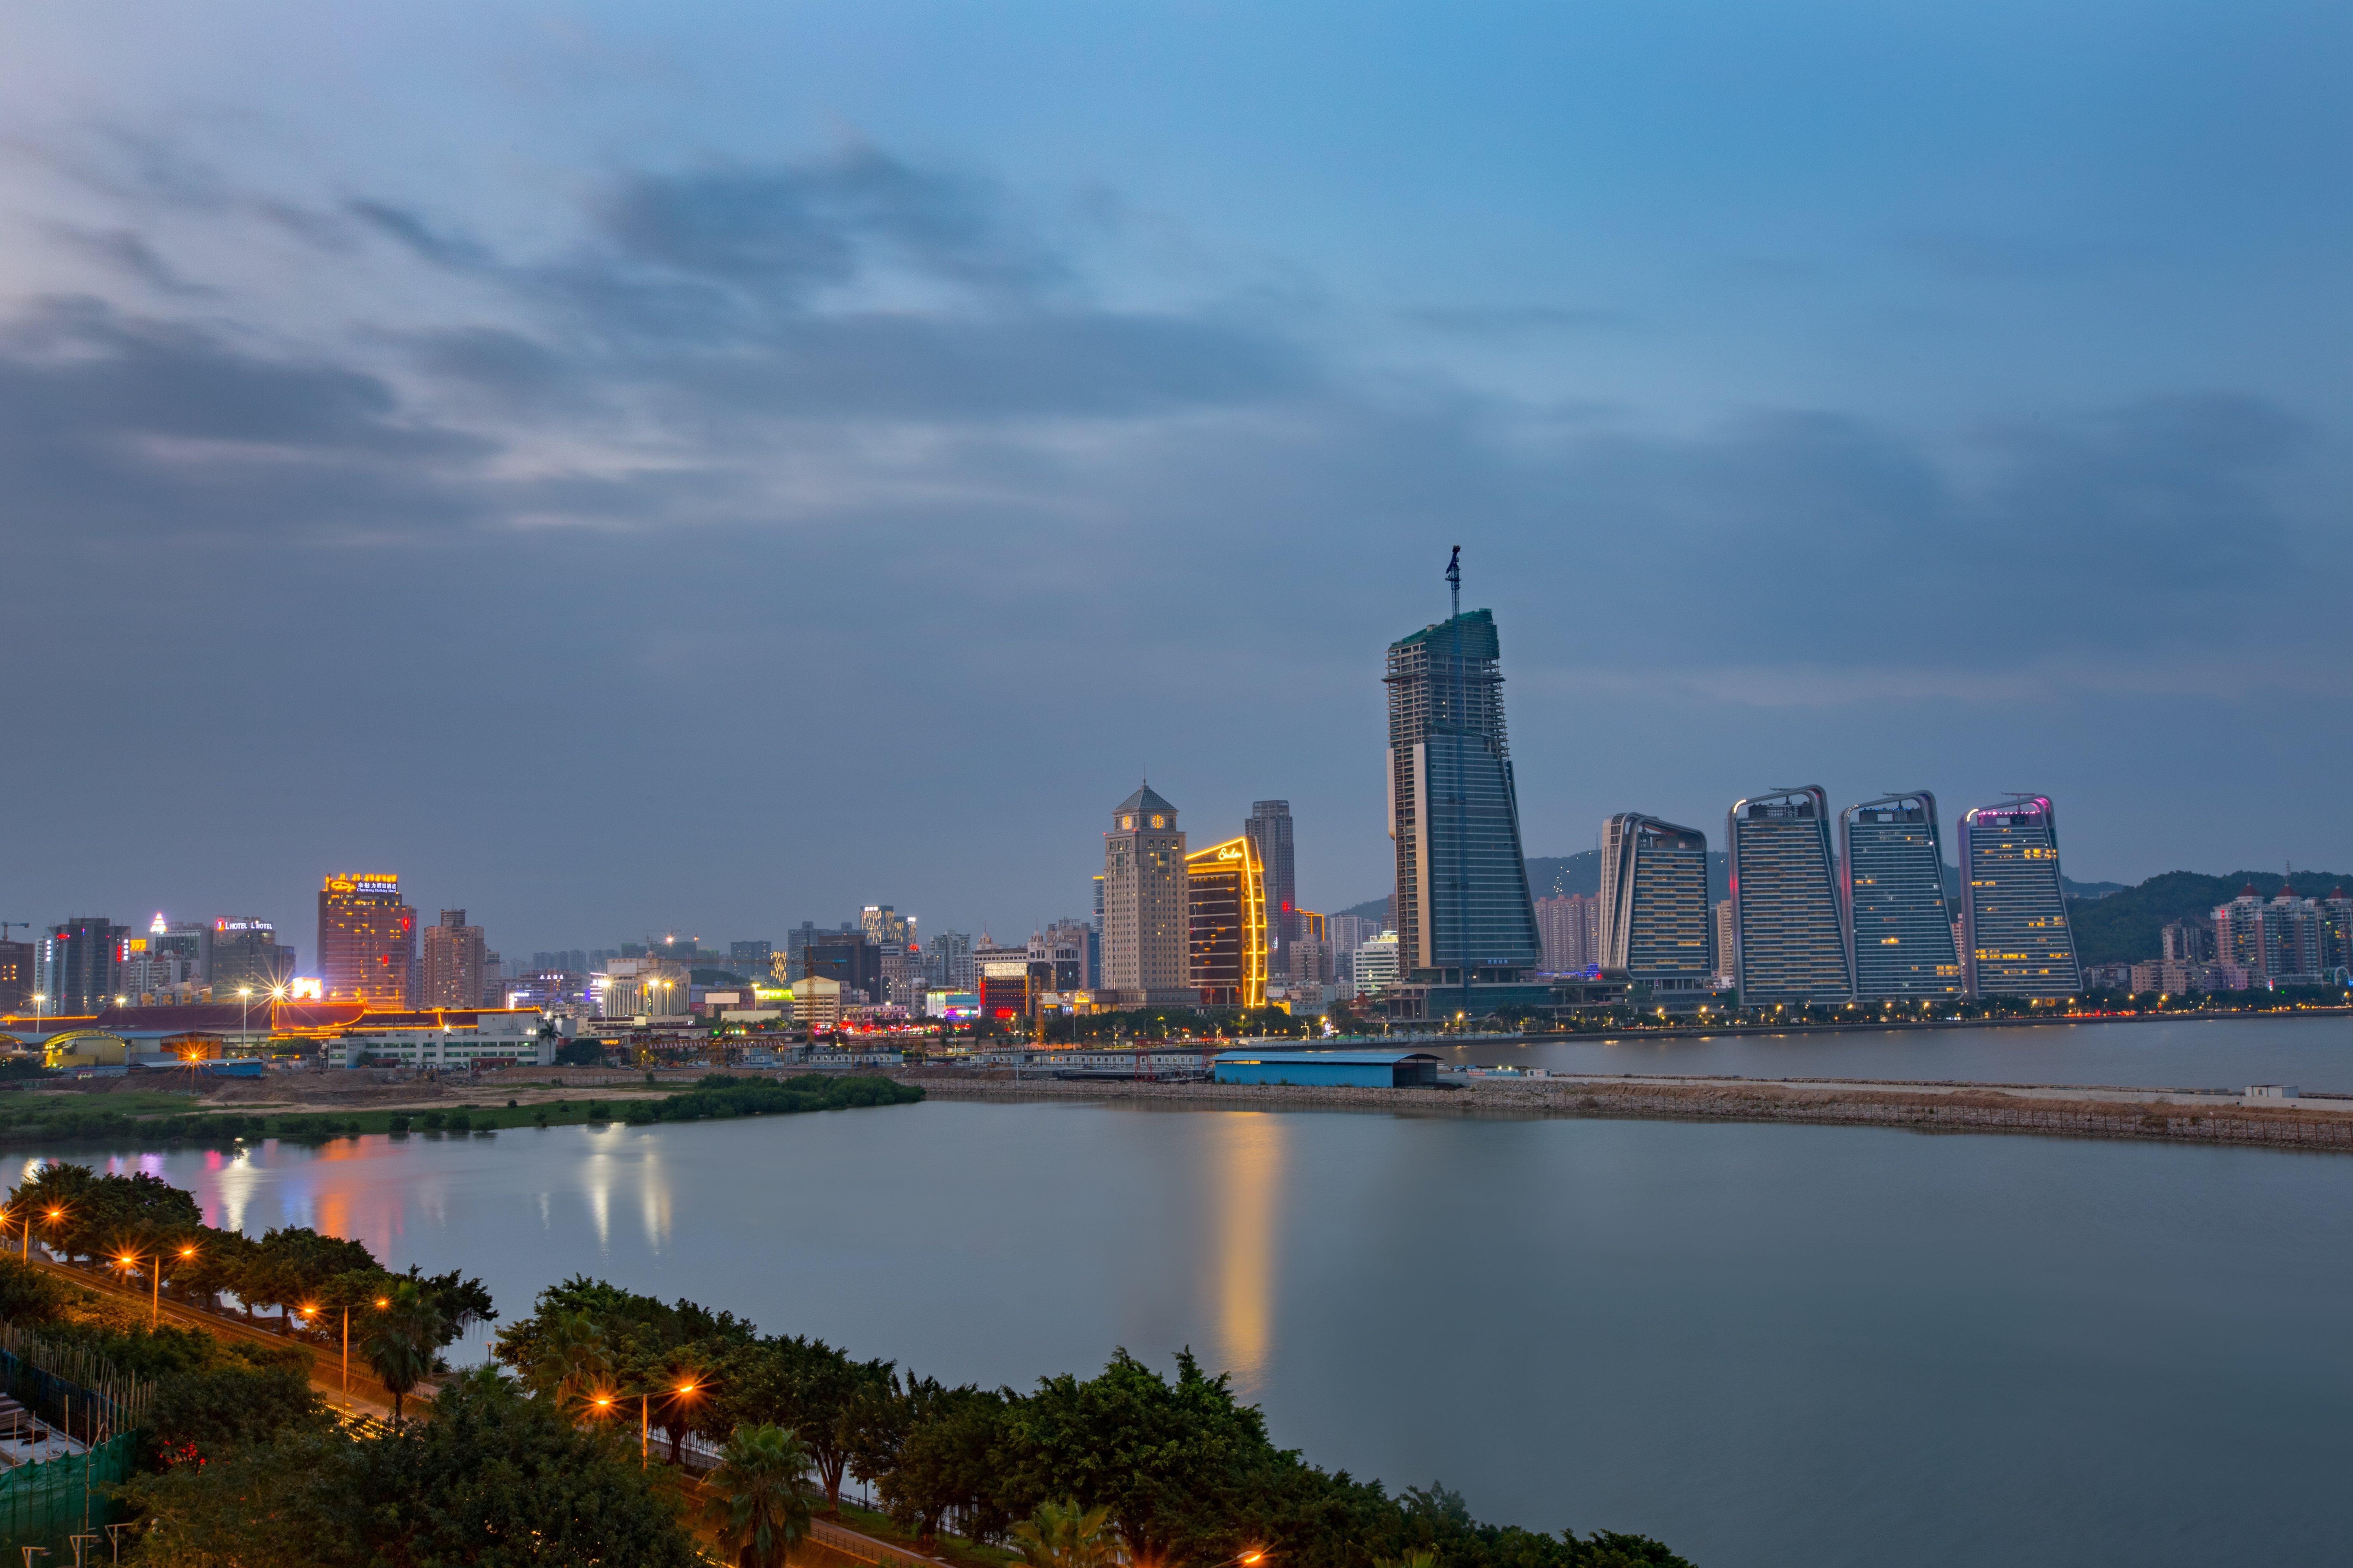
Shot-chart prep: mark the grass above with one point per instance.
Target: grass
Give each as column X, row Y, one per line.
column 954, row 1548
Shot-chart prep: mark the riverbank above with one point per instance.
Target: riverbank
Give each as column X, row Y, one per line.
column 1877, row 1024
column 2181, row 1116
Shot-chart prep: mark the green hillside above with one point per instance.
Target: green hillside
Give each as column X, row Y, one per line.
column 2123, row 927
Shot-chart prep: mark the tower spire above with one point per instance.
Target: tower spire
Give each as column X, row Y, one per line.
column 1454, row 580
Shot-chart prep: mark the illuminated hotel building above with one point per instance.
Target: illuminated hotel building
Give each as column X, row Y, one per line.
column 2015, row 939
column 1464, row 914
column 1789, row 944
column 1145, row 932
column 1225, row 894
column 1656, row 925
column 367, row 939
column 1892, row 879
column 245, row 954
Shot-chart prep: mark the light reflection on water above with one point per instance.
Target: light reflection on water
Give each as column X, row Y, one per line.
column 1766, row 1344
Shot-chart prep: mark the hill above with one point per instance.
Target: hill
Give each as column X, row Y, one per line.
column 2123, row 927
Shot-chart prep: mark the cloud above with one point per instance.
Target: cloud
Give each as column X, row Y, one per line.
column 1513, row 321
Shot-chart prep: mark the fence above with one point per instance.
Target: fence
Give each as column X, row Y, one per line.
column 46, row 1504
column 69, row 1386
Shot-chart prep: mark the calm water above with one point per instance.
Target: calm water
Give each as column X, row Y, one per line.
column 2220, row 1053
column 1766, row 1344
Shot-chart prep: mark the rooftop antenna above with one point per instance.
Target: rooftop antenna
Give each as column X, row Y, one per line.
column 1454, row 579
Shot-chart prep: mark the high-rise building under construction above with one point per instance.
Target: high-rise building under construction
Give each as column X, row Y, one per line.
column 1892, row 882
column 1789, row 944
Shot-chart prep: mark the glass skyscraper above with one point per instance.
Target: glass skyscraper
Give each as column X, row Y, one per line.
column 2015, row 937
column 1788, row 944
column 1892, row 879
column 1656, row 926
column 1464, row 914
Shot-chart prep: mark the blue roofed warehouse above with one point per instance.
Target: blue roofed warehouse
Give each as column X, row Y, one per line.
column 1354, row 1070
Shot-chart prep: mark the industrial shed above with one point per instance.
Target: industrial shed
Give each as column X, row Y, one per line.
column 1356, row 1070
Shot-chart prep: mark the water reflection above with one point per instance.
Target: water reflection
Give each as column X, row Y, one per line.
column 1248, row 1149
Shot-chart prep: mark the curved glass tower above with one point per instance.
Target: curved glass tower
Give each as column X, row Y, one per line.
column 1656, row 926
column 1788, row 944
column 1892, row 882
column 1463, row 912
column 2015, row 939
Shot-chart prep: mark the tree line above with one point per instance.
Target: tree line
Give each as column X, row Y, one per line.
column 1173, row 1471
column 144, row 1231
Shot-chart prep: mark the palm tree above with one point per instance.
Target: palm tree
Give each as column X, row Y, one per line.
column 405, row 1333
column 1063, row 1535
column 756, row 1506
column 1417, row 1557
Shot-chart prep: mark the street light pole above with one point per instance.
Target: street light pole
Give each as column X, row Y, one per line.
column 244, row 1017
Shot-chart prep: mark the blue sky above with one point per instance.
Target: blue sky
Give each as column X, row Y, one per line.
column 627, row 471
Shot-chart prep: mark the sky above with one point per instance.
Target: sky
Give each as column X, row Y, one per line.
column 643, row 468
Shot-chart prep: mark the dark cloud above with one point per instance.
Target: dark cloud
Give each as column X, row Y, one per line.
column 130, row 254
column 789, row 228
column 112, row 424
column 413, row 231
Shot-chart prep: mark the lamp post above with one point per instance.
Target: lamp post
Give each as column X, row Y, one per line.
column 155, row 1278
column 244, row 1016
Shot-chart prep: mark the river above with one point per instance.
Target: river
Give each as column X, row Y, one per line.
column 1769, row 1345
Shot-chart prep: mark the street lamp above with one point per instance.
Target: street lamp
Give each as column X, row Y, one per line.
column 244, row 1014
column 155, row 1277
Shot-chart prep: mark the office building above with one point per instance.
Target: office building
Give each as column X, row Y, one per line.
column 1145, row 930
column 1064, row 945
column 1892, row 881
column 18, row 975
column 2186, row 941
column 750, row 959
column 1570, row 928
column 1269, row 828
column 1378, row 965
column 367, row 939
column 81, row 964
column 947, row 961
column 2336, row 928
column 248, row 956
column 1788, row 945
column 1225, row 900
column 1349, row 933
column 849, row 958
column 454, row 960
column 2015, row 940
column 1727, row 945
column 1657, row 927
column 644, row 987
column 1463, row 912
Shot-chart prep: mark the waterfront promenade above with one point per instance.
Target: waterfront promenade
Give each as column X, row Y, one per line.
column 2174, row 1115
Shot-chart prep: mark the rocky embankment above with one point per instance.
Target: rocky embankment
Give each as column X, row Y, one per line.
column 2175, row 1116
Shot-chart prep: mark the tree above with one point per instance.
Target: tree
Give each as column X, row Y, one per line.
column 945, row 1462
column 1064, row 1535
column 1177, row 1464
column 756, row 1507
column 494, row 1479
column 402, row 1338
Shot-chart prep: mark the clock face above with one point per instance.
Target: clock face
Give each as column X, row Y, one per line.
column 1159, row 822
column 1127, row 824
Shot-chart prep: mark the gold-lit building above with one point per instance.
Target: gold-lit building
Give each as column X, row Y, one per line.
column 1225, row 896
column 367, row 939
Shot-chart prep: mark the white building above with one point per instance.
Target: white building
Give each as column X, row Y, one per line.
column 1377, row 964
column 489, row 1038
column 645, row 987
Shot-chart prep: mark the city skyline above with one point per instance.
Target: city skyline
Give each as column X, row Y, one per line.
column 505, row 449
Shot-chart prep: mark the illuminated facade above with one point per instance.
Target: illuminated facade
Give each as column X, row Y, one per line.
column 1892, row 881
column 245, row 954
column 1656, row 925
column 1269, row 828
column 1145, row 930
column 367, row 939
column 2015, row 939
column 81, row 964
column 1788, row 944
column 1226, row 951
column 1464, row 914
